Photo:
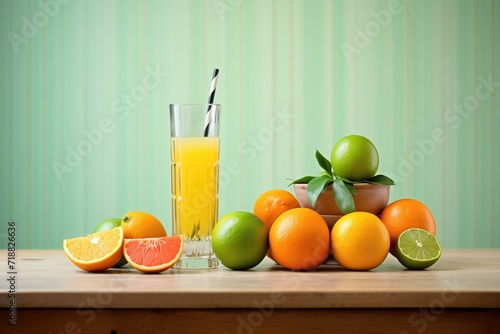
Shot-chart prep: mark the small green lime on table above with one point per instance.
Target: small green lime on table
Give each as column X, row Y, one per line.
column 240, row 240
column 108, row 224
column 418, row 249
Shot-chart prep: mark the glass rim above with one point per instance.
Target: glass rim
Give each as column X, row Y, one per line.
column 195, row 104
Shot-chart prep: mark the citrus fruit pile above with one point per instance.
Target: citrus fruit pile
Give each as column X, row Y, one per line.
column 361, row 240
column 138, row 239
column 405, row 228
column 299, row 238
column 359, row 237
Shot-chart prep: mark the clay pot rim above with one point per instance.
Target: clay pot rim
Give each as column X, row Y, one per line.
column 369, row 197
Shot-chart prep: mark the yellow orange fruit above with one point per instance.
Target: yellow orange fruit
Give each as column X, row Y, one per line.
column 97, row 251
column 404, row 214
column 272, row 203
column 153, row 255
column 137, row 224
column 299, row 239
column 360, row 241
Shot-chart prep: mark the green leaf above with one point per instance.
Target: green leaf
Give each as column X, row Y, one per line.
column 343, row 197
column 381, row 179
column 347, row 180
column 324, row 163
column 349, row 184
column 303, row 180
column 316, row 186
column 351, row 187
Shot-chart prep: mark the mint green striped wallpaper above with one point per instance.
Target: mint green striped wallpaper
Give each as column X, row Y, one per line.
column 86, row 87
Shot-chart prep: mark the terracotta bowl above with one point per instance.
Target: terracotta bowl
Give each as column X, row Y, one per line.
column 371, row 198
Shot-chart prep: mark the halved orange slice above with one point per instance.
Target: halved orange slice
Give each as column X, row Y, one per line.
column 153, row 255
column 95, row 252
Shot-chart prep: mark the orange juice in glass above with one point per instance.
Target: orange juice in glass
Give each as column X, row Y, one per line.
column 195, row 181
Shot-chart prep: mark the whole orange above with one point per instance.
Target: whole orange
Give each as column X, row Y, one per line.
column 138, row 224
column 299, row 239
column 272, row 203
column 404, row 214
column 360, row 241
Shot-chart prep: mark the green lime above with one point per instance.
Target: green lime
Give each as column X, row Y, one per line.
column 417, row 249
column 108, row 224
column 355, row 158
column 240, row 240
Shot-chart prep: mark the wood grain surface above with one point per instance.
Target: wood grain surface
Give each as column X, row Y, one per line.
column 460, row 279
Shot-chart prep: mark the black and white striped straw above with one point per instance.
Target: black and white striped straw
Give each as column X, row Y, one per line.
column 211, row 107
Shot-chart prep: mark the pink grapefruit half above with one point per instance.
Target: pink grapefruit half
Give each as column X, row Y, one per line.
column 153, row 255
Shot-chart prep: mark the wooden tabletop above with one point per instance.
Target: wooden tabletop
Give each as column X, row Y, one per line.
column 460, row 279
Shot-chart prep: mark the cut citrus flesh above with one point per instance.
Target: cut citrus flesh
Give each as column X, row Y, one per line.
column 404, row 214
column 97, row 251
column 153, row 255
column 418, row 249
column 109, row 224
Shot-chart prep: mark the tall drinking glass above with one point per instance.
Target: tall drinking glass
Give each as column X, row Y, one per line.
column 195, row 180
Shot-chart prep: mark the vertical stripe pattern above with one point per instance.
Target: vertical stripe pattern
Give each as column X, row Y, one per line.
column 86, row 87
